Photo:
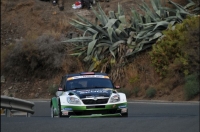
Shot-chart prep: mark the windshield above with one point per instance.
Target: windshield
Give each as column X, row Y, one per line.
column 84, row 83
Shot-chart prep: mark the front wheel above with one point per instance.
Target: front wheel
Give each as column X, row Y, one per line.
column 125, row 115
column 60, row 113
column 52, row 111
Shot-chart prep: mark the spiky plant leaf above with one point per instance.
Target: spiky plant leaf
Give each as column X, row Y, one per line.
column 110, row 31
column 103, row 45
column 116, row 44
column 80, row 39
column 102, row 13
column 90, row 31
column 87, row 58
column 189, row 4
column 77, row 54
column 92, row 67
column 112, row 15
column 91, row 46
column 100, row 17
column 155, row 36
column 181, row 9
column 155, row 5
column 163, row 24
column 147, row 10
column 110, row 23
column 122, row 19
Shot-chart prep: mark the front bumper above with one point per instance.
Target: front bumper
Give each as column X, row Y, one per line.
column 96, row 115
column 94, row 110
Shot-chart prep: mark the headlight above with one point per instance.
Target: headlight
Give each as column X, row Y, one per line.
column 73, row 100
column 114, row 99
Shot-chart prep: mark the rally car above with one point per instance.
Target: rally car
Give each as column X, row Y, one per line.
column 88, row 94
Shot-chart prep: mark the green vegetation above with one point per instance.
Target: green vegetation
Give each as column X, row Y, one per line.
column 52, row 88
column 136, row 91
column 150, row 92
column 171, row 48
column 112, row 40
column 191, row 87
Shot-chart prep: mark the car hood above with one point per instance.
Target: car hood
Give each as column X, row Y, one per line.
column 88, row 93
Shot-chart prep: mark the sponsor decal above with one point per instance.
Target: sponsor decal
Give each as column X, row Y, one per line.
column 122, row 106
column 88, row 76
column 67, row 109
column 89, row 96
column 114, row 106
column 92, row 91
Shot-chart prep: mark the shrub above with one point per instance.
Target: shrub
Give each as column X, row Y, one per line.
column 191, row 87
column 136, row 91
column 53, row 88
column 41, row 57
column 176, row 49
column 150, row 92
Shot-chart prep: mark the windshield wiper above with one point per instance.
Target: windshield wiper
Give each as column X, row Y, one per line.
column 76, row 88
column 89, row 87
column 98, row 87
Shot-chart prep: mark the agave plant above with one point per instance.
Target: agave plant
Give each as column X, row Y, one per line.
column 111, row 41
column 102, row 43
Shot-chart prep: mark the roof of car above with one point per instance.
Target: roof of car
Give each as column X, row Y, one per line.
column 85, row 73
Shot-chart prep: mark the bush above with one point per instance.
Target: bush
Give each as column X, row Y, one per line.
column 191, row 87
column 136, row 91
column 52, row 89
column 40, row 57
column 150, row 92
column 177, row 48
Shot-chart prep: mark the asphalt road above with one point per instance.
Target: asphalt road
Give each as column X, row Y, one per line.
column 143, row 117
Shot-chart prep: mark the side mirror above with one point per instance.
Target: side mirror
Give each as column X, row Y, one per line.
column 117, row 87
column 60, row 89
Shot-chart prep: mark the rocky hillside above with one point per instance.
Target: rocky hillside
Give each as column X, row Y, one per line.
column 35, row 21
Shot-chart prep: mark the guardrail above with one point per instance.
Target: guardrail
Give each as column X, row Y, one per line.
column 11, row 103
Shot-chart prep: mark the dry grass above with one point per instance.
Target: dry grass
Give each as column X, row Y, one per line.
column 140, row 74
column 55, row 34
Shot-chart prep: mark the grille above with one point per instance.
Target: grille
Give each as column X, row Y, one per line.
column 98, row 101
column 99, row 106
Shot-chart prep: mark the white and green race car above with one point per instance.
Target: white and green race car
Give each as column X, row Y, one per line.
column 88, row 94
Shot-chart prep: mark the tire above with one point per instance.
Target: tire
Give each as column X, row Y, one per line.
column 125, row 114
column 60, row 113
column 52, row 111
